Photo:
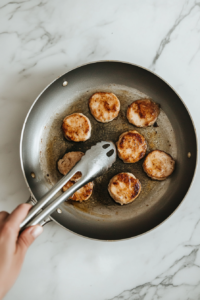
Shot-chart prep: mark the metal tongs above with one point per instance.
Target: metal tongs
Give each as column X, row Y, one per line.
column 94, row 163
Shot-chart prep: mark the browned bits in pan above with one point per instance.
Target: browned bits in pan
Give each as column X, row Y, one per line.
column 124, row 188
column 104, row 106
column 158, row 165
column 131, row 146
column 143, row 113
column 76, row 127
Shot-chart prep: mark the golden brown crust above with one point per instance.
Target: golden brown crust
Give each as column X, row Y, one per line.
column 158, row 165
column 64, row 166
column 76, row 127
column 124, row 188
column 143, row 113
column 104, row 106
column 131, row 146
column 83, row 193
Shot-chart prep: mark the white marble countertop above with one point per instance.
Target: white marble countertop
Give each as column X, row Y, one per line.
column 41, row 40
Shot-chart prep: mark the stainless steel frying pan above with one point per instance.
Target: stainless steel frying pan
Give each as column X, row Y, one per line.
column 42, row 144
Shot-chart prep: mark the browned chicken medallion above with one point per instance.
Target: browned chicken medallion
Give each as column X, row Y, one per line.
column 104, row 106
column 76, row 127
column 64, row 166
column 124, row 188
column 143, row 113
column 131, row 146
column 158, row 165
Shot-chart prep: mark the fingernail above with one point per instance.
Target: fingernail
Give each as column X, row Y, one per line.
column 36, row 231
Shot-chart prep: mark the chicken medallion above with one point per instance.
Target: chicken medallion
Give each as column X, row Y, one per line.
column 124, row 188
column 131, row 146
column 104, row 106
column 64, row 166
column 76, row 127
column 158, row 165
column 143, row 113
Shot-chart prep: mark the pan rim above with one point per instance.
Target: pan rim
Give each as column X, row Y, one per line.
column 104, row 61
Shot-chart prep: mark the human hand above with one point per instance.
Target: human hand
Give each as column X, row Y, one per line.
column 13, row 246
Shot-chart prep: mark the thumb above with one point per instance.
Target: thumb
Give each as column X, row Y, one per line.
column 28, row 236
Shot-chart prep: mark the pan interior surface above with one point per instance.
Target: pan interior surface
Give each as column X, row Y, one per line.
column 100, row 217
column 100, row 205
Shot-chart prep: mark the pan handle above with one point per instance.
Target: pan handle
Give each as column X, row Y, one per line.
column 33, row 202
column 37, row 215
column 48, row 196
column 46, row 212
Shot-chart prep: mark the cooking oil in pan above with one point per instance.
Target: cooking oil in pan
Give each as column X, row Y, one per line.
column 101, row 205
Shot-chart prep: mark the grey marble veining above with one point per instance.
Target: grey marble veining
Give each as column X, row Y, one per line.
column 41, row 40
